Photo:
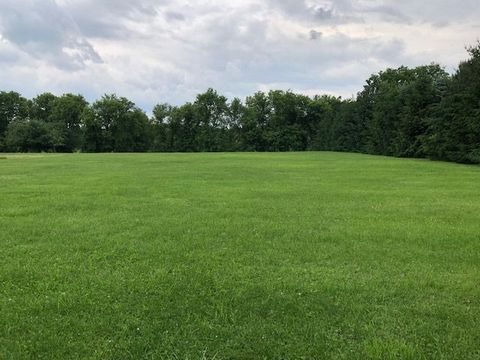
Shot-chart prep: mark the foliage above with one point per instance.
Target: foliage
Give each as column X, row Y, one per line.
column 33, row 135
column 12, row 107
column 67, row 112
column 455, row 125
column 115, row 124
column 420, row 112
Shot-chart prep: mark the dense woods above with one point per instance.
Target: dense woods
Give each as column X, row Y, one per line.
column 422, row 112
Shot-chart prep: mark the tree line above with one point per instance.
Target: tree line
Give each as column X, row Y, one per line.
column 420, row 112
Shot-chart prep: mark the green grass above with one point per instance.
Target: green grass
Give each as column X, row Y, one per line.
column 238, row 256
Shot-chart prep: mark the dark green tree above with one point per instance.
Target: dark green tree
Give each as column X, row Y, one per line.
column 13, row 107
column 255, row 121
column 115, row 124
column 211, row 117
column 41, row 107
column 235, row 113
column 322, row 113
column 396, row 107
column 455, row 125
column 288, row 127
column 160, row 127
column 66, row 112
column 33, row 136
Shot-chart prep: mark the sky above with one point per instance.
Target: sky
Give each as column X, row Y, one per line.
column 155, row 51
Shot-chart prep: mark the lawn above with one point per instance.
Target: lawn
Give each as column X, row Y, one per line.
column 238, row 256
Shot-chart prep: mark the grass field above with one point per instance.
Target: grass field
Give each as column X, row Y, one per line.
column 238, row 256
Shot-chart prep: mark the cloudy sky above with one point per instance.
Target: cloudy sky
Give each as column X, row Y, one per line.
column 169, row 50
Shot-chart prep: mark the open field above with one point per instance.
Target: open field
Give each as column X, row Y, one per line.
column 238, row 256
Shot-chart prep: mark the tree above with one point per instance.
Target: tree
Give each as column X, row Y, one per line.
column 255, row 121
column 92, row 131
column 288, row 125
column 115, row 124
column 33, row 136
column 349, row 133
column 184, row 129
column 322, row 113
column 13, row 107
column 66, row 112
column 419, row 98
column 405, row 112
column 159, row 127
column 211, row 115
column 235, row 113
column 455, row 125
column 130, row 132
column 41, row 107
column 395, row 107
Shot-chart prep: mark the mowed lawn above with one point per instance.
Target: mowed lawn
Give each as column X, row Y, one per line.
column 238, row 256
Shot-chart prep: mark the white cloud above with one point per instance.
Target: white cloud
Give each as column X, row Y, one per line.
column 166, row 50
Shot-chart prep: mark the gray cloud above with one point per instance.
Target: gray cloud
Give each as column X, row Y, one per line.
column 315, row 35
column 173, row 15
column 110, row 18
column 165, row 50
column 30, row 27
column 322, row 13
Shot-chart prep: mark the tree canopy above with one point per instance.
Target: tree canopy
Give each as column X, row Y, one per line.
column 420, row 112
